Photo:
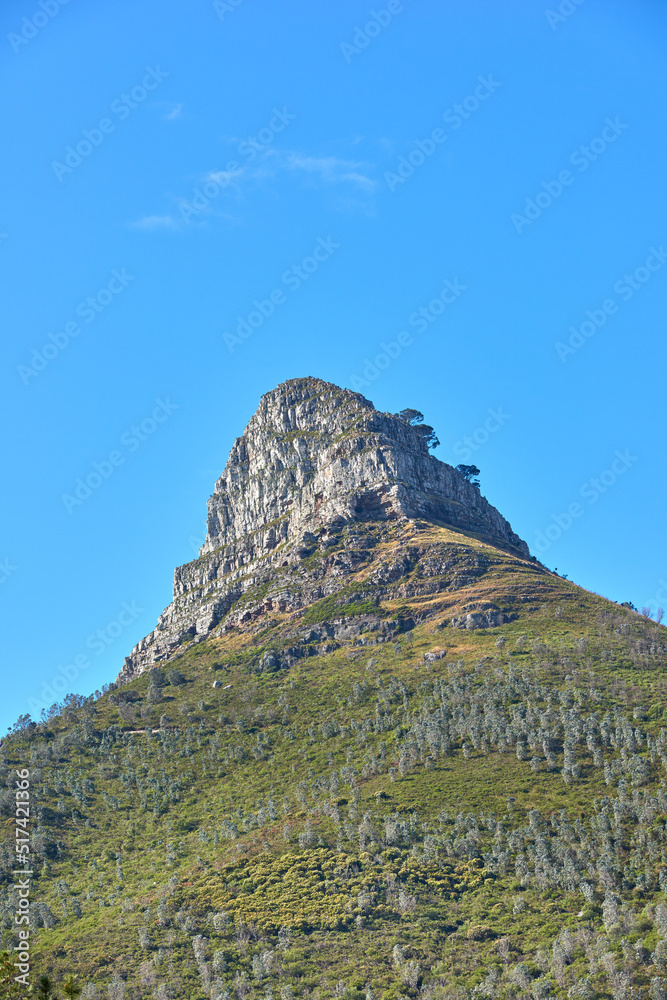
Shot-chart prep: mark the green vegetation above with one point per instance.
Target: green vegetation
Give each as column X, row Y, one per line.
column 340, row 605
column 345, row 817
column 469, row 472
column 320, row 888
column 416, row 420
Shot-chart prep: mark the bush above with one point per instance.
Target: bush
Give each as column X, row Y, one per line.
column 480, row 932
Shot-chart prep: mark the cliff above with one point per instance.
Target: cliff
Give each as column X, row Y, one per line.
column 315, row 461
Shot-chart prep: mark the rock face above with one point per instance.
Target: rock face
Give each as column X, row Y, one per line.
column 314, row 459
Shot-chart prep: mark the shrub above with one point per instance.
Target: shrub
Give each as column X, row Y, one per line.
column 480, row 932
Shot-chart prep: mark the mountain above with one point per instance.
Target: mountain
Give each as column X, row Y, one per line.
column 372, row 749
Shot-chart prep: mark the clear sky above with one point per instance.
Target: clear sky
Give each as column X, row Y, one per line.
column 201, row 200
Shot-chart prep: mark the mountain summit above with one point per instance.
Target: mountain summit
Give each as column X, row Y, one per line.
column 313, row 460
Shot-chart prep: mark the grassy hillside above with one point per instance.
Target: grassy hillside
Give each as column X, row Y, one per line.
column 364, row 798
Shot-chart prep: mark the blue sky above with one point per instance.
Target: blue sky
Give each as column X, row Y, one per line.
column 172, row 172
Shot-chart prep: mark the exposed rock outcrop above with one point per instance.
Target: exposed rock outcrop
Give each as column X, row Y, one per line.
column 313, row 460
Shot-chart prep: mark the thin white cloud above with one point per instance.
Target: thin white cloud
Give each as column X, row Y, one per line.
column 348, row 180
column 155, row 222
column 174, row 113
column 224, row 177
column 331, row 169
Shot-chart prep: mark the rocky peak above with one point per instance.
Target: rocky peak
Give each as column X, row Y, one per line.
column 313, row 458
column 314, row 454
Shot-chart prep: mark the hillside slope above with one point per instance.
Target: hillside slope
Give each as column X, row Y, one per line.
column 401, row 759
